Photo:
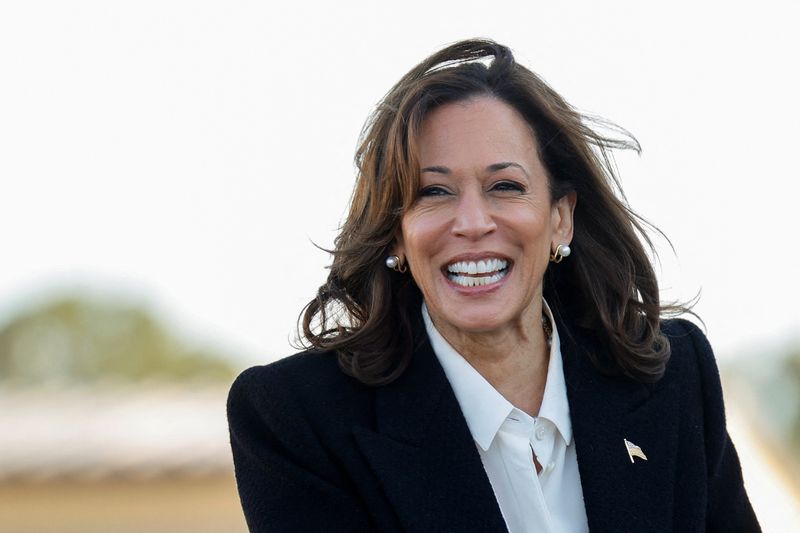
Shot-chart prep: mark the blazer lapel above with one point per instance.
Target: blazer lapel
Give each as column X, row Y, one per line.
column 424, row 455
column 620, row 495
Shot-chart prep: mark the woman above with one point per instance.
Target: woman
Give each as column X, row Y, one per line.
column 488, row 352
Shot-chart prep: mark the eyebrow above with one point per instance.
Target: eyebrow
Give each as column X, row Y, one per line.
column 495, row 167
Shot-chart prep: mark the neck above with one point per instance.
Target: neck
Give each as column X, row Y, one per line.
column 513, row 360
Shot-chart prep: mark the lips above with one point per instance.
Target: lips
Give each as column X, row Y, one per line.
column 470, row 273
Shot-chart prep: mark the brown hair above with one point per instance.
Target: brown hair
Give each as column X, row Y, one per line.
column 369, row 314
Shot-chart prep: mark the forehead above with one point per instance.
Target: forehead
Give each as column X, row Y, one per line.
column 478, row 131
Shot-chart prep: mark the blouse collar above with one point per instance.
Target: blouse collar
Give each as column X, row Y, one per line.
column 484, row 408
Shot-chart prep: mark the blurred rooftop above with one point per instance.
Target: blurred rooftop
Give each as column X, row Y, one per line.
column 113, row 430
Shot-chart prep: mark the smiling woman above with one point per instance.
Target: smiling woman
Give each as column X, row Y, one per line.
column 478, row 239
column 488, row 352
column 483, row 197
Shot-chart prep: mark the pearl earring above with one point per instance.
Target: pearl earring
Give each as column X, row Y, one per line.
column 395, row 264
column 562, row 251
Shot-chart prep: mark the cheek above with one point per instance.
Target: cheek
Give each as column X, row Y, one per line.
column 532, row 223
column 420, row 236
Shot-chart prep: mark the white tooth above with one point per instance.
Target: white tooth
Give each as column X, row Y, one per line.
column 477, row 281
column 484, row 266
column 480, row 267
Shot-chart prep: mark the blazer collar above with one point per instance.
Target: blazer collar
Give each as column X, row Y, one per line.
column 424, row 456
column 620, row 494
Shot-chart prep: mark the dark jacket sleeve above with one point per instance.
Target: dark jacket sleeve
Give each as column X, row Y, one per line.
column 728, row 508
column 285, row 479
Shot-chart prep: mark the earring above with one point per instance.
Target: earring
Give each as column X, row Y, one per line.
column 394, row 263
column 562, row 251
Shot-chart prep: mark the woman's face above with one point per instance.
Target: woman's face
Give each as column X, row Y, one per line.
column 478, row 238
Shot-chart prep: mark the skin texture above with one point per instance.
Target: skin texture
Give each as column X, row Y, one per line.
column 484, row 194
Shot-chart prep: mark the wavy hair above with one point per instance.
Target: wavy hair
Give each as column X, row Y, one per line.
column 369, row 315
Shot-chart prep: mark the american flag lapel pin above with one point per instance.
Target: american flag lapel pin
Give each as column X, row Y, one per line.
column 634, row 450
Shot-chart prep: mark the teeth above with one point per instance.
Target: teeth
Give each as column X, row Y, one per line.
column 467, row 281
column 467, row 273
column 483, row 266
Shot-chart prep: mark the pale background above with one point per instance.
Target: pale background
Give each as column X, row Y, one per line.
column 186, row 154
column 190, row 152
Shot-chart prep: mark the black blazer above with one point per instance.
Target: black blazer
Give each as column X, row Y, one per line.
column 314, row 450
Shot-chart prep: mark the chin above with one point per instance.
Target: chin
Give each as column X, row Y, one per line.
column 462, row 319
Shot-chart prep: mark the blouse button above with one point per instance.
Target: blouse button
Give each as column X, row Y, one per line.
column 540, row 432
column 550, row 466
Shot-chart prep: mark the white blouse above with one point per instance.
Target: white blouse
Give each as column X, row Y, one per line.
column 507, row 438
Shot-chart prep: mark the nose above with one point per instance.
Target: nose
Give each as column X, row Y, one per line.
column 473, row 218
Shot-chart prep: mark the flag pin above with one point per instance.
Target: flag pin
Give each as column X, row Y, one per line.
column 634, row 450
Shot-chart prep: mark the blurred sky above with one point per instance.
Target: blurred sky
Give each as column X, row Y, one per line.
column 186, row 153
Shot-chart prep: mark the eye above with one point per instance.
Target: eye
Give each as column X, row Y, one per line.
column 433, row 190
column 508, row 186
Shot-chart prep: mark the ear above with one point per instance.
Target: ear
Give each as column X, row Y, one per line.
column 562, row 218
column 399, row 248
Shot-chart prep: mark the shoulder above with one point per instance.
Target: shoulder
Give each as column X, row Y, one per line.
column 308, row 384
column 301, row 371
column 706, row 446
column 692, row 358
column 684, row 332
column 694, row 368
column 691, row 351
column 290, row 426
